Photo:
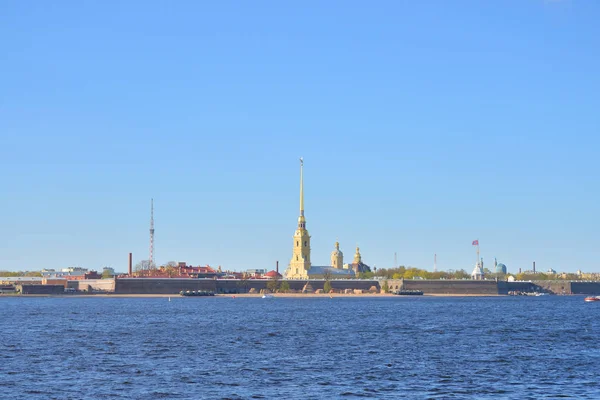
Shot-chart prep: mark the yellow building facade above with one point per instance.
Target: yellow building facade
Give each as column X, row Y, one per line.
column 337, row 257
column 300, row 266
column 300, row 263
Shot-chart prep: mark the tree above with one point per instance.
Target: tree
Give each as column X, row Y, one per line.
column 327, row 287
column 273, row 284
column 107, row 274
column 366, row 275
column 142, row 268
column 385, row 287
column 243, row 282
column 284, row 287
column 461, row 274
column 410, row 273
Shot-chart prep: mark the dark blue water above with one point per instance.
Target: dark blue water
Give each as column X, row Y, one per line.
column 196, row 348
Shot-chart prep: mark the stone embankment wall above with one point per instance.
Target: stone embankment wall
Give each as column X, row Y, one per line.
column 162, row 285
column 520, row 286
column 174, row 286
column 556, row 287
column 90, row 285
column 451, row 286
column 41, row 289
column 585, row 288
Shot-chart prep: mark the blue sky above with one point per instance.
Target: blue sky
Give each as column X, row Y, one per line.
column 423, row 125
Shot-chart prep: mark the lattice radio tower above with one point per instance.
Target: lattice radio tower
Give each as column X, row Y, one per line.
column 151, row 259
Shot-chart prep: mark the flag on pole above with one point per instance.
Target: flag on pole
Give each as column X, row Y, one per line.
column 475, row 242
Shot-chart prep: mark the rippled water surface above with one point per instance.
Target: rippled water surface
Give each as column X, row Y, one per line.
column 243, row 348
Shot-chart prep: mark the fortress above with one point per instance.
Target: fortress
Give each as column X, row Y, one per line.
column 300, row 266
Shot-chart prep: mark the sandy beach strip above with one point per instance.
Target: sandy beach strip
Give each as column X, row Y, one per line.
column 256, row 295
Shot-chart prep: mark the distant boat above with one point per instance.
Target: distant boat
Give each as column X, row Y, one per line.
column 194, row 293
column 591, row 299
column 268, row 296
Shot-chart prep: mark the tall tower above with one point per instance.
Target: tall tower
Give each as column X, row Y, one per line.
column 300, row 263
column 337, row 257
column 435, row 263
column 357, row 257
column 151, row 259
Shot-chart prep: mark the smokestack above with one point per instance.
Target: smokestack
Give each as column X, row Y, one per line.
column 277, row 266
column 519, row 270
column 534, row 267
column 130, row 265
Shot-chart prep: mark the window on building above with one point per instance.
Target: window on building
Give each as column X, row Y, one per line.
column 296, row 258
column 305, row 243
column 297, row 243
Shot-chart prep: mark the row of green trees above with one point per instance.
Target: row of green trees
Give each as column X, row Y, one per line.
column 20, row 273
column 411, row 273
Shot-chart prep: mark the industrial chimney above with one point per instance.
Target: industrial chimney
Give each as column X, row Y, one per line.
column 534, row 267
column 130, row 266
column 277, row 266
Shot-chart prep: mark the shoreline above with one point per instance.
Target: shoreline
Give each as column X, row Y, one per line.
column 254, row 295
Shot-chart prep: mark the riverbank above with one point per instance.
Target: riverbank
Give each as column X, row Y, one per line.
column 251, row 295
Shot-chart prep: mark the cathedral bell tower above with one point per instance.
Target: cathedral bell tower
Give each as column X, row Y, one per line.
column 300, row 263
column 357, row 257
column 337, row 257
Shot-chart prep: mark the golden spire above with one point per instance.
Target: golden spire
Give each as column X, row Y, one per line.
column 301, row 189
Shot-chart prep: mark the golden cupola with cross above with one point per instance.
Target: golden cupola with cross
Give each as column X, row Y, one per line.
column 300, row 263
column 337, row 257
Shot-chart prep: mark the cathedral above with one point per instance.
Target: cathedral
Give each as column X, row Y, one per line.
column 300, row 266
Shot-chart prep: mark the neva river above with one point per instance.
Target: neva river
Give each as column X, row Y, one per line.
column 290, row 348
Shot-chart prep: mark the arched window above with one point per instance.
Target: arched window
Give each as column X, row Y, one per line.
column 296, row 258
column 305, row 243
column 297, row 243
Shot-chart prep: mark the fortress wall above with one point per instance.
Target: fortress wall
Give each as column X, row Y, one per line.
column 504, row 287
column 395, row 284
column 236, row 286
column 162, row 286
column 174, row 285
column 557, row 287
column 240, row 286
column 585, row 288
column 452, row 286
column 41, row 289
column 105, row 285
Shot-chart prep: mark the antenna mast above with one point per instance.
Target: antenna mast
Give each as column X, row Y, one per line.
column 395, row 260
column 435, row 263
column 151, row 259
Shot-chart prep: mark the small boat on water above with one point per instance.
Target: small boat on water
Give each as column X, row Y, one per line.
column 591, row 299
column 406, row 292
column 268, row 296
column 193, row 293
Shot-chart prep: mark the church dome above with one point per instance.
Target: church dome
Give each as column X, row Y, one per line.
column 337, row 250
column 501, row 269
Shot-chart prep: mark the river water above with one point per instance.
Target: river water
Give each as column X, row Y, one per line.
column 292, row 348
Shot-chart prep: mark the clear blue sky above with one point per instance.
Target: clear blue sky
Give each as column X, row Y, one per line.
column 423, row 124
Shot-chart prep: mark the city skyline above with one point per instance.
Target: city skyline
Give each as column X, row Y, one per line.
column 423, row 126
